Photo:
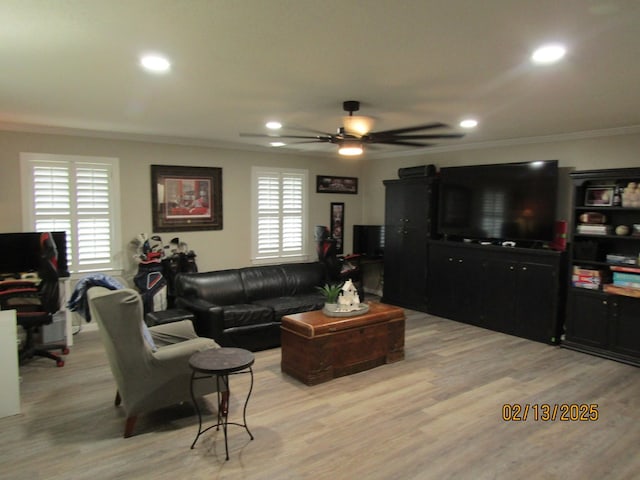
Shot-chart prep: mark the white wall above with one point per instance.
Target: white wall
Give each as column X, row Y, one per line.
column 226, row 248
column 231, row 246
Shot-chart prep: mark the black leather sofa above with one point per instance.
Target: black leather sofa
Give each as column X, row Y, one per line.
column 244, row 307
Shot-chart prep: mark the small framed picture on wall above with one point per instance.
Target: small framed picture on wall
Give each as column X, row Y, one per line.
column 337, row 225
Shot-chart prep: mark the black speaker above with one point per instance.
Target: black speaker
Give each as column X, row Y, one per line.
column 419, row 171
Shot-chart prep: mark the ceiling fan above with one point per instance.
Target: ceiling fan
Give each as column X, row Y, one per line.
column 356, row 133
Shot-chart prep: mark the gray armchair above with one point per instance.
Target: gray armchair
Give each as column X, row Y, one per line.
column 151, row 371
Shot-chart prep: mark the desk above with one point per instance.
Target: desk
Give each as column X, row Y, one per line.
column 220, row 363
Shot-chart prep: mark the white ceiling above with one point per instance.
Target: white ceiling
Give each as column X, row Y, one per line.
column 73, row 64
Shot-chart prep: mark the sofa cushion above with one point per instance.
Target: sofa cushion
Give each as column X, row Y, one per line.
column 242, row 315
column 266, row 281
column 303, row 277
column 282, row 306
column 223, row 287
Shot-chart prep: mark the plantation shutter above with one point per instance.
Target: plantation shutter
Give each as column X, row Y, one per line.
column 77, row 197
column 279, row 219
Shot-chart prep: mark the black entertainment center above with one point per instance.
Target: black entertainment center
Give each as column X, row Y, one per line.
column 472, row 244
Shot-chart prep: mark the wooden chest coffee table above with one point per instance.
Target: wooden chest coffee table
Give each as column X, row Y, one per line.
column 317, row 348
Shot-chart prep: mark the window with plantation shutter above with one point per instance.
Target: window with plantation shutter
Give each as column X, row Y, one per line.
column 78, row 195
column 279, row 214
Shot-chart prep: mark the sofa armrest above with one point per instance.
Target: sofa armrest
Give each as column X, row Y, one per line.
column 209, row 319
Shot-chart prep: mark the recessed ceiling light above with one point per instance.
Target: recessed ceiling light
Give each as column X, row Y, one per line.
column 155, row 63
column 277, row 144
column 273, row 125
column 469, row 123
column 550, row 53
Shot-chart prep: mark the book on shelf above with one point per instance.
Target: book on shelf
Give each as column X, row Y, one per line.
column 626, row 277
column 593, row 229
column 618, row 290
column 587, row 285
column 621, row 268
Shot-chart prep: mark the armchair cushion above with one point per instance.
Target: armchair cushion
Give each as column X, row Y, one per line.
column 147, row 380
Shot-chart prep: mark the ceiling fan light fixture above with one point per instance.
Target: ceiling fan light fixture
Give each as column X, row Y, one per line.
column 350, row 148
column 548, row 54
column 358, row 124
column 273, row 125
column 155, row 63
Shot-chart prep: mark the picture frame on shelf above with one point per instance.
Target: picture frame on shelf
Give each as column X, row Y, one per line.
column 186, row 198
column 337, row 225
column 598, row 197
column 330, row 184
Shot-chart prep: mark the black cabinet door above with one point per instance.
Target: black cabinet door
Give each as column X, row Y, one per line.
column 537, row 301
column 499, row 291
column 454, row 284
column 520, row 298
column 441, row 285
column 624, row 330
column 407, row 228
column 587, row 318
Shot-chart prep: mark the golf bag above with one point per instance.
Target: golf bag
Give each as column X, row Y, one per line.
column 152, row 285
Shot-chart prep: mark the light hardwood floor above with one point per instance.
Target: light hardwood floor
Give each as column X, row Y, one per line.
column 435, row 415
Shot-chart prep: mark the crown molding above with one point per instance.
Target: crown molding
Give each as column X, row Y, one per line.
column 209, row 143
column 508, row 142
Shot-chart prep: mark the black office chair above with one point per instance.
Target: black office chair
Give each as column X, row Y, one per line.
column 36, row 303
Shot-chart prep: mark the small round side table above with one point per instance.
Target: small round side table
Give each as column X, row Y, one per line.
column 221, row 362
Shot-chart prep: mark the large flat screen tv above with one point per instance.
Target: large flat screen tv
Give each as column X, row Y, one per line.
column 20, row 252
column 508, row 201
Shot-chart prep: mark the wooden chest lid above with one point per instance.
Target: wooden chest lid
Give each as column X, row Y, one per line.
column 311, row 324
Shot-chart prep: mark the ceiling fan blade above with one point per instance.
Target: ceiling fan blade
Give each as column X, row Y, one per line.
column 326, row 138
column 304, row 129
column 400, row 142
column 397, row 131
column 307, row 141
column 428, row 136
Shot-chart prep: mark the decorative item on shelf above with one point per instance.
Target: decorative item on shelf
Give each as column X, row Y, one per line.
column 635, row 230
column 598, row 196
column 617, row 197
column 622, row 230
column 631, row 195
column 593, row 217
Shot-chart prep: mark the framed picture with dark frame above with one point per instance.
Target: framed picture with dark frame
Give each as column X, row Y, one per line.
column 598, row 197
column 186, row 198
column 328, row 184
column 337, row 225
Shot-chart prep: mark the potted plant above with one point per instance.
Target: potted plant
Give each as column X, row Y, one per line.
column 331, row 293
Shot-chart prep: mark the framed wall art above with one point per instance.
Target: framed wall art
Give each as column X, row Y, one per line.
column 328, row 184
column 337, row 225
column 186, row 198
column 598, row 197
